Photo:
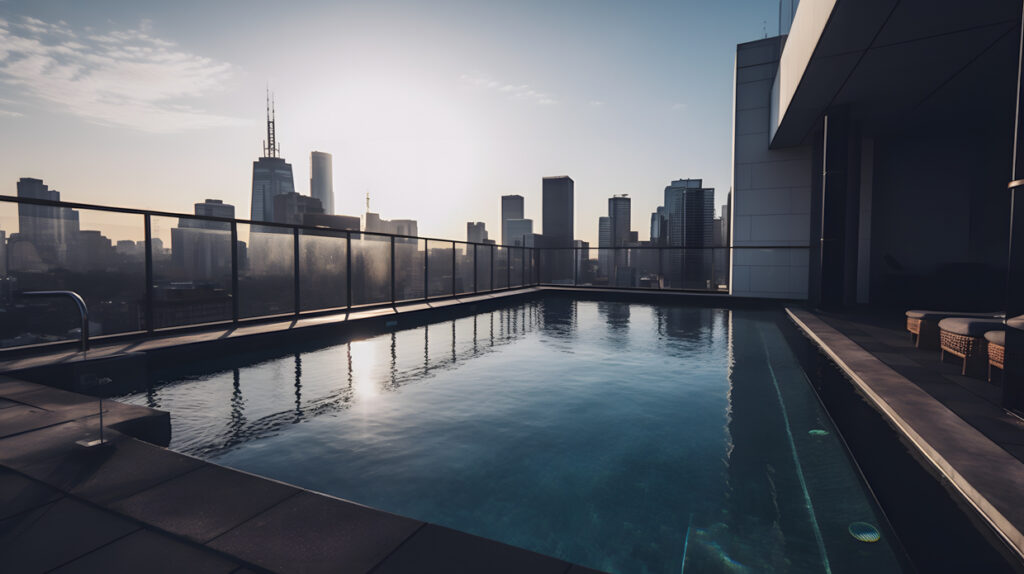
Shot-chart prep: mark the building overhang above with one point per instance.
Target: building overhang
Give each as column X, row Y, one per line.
column 908, row 63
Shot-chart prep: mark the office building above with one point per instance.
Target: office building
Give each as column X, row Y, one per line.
column 517, row 231
column 201, row 249
column 45, row 233
column 511, row 208
column 557, row 216
column 344, row 222
column 321, row 180
column 476, row 232
column 619, row 212
column 290, row 207
column 271, row 175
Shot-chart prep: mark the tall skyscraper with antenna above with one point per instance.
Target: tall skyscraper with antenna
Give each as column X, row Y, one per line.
column 271, row 174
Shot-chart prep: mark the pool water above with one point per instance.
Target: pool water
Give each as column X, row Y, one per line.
column 623, row 437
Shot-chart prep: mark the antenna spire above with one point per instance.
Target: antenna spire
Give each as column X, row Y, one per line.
column 367, row 202
column 270, row 147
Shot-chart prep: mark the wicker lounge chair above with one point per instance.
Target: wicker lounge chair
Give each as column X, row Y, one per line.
column 964, row 337
column 996, row 350
column 924, row 325
column 996, row 343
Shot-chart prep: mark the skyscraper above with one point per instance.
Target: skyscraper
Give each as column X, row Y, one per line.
column 691, row 211
column 557, row 214
column 619, row 212
column 511, row 208
column 50, row 230
column 517, row 231
column 271, row 175
column 476, row 232
column 557, row 217
column 321, row 180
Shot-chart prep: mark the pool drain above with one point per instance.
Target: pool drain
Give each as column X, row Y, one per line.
column 864, row 532
column 817, row 432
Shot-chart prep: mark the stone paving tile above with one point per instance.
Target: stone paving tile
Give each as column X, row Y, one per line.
column 204, row 503
column 130, row 467
column 18, row 494
column 314, row 533
column 152, row 553
column 59, row 532
column 438, row 549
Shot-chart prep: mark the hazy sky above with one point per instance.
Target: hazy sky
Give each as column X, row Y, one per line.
column 436, row 109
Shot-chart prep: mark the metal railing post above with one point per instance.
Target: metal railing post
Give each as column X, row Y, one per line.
column 392, row 269
column 234, row 271
column 296, row 281
column 491, row 284
column 476, row 287
column 149, row 273
column 508, row 269
column 453, row 268
column 348, row 270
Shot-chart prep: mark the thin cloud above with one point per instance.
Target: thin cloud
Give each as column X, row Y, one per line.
column 678, row 107
column 10, row 114
column 512, row 91
column 123, row 77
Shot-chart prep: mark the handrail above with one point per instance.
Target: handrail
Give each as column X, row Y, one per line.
column 82, row 309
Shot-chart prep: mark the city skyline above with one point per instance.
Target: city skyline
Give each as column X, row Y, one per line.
column 399, row 110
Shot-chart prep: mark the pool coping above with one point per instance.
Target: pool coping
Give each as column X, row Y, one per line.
column 138, row 501
column 982, row 474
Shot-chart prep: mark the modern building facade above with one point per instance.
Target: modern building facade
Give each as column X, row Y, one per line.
column 476, row 232
column 291, row 207
column 558, row 213
column 558, row 232
column 511, row 208
column 517, row 231
column 321, row 179
column 271, row 175
column 619, row 212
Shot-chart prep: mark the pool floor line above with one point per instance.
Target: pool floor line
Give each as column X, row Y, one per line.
column 961, row 454
column 796, row 458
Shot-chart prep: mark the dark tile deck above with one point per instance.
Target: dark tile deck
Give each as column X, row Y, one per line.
column 137, row 507
column 950, row 420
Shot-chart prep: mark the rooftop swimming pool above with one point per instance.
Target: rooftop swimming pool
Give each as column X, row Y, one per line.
column 621, row 436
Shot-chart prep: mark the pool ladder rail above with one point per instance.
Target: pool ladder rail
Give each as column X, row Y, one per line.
column 83, row 310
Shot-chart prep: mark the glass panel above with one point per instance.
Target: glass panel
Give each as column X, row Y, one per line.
column 644, row 265
column 371, row 268
column 191, row 278
column 266, row 268
column 500, row 267
column 483, row 267
column 721, row 268
column 463, row 268
column 439, row 276
column 672, row 268
column 516, row 272
column 409, row 257
column 97, row 254
column 322, row 281
column 556, row 266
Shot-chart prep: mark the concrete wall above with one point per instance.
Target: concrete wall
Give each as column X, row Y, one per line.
column 771, row 188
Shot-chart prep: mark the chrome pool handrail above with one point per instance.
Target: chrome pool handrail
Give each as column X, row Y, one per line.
column 83, row 310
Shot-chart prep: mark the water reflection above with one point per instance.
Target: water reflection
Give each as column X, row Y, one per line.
column 371, row 367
